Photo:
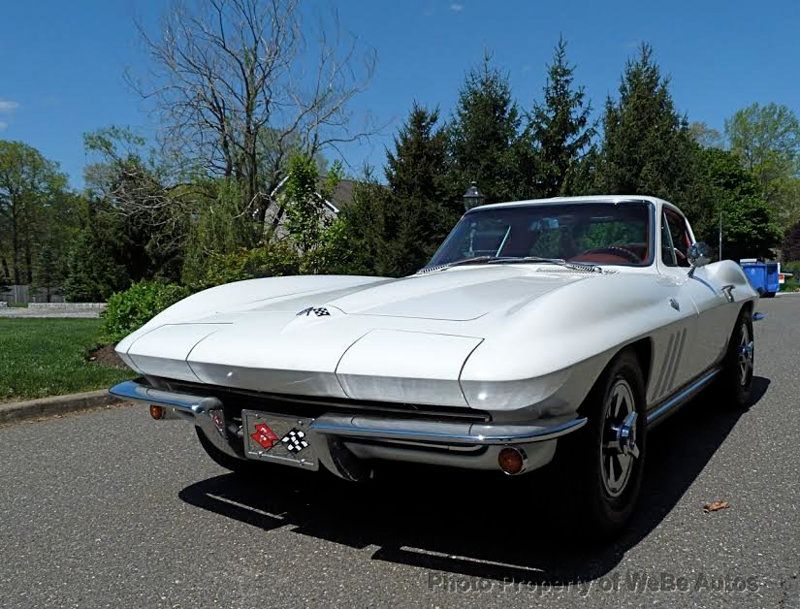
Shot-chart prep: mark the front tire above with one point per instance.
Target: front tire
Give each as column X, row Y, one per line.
column 606, row 458
column 238, row 466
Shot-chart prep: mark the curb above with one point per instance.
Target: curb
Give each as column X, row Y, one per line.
column 55, row 405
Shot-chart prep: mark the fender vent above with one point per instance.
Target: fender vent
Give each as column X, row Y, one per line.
column 669, row 365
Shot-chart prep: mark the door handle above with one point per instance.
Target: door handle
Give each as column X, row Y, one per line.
column 727, row 291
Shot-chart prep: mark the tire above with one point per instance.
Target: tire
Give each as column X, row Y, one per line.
column 735, row 382
column 768, row 295
column 604, row 470
column 238, row 466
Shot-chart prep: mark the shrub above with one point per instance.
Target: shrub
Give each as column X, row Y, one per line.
column 266, row 260
column 131, row 309
column 793, row 283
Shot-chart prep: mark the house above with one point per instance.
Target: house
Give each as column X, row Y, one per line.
column 341, row 198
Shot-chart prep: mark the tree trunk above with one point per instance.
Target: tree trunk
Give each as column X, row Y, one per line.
column 15, row 240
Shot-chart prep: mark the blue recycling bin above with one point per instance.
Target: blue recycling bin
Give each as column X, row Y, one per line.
column 763, row 276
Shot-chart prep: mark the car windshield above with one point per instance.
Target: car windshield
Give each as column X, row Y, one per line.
column 588, row 233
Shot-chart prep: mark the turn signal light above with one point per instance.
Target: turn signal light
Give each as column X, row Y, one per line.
column 511, row 460
column 157, row 412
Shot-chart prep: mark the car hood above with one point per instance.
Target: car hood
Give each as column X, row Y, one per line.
column 404, row 340
column 462, row 294
column 458, row 295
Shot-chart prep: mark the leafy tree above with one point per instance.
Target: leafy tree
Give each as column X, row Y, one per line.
column 485, row 143
column 29, row 185
column 220, row 226
column 418, row 216
column 559, row 127
column 148, row 210
column 705, row 136
column 60, row 226
column 760, row 134
column 646, row 148
column 306, row 215
column 239, row 89
column 791, row 244
column 767, row 140
column 731, row 193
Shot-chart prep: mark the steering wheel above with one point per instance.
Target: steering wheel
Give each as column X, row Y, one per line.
column 615, row 250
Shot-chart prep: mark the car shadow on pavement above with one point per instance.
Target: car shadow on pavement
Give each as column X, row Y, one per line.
column 455, row 522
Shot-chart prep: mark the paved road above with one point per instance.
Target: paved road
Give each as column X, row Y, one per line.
column 110, row 509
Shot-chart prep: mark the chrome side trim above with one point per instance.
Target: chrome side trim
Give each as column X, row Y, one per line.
column 659, row 413
column 444, row 433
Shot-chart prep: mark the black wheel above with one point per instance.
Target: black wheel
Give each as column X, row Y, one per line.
column 768, row 295
column 606, row 459
column 736, row 379
column 239, row 466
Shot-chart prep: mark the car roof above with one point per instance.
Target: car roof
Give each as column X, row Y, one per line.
column 582, row 199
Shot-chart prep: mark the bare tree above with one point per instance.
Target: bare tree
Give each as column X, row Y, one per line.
column 241, row 85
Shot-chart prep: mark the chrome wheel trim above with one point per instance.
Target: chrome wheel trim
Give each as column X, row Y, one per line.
column 619, row 449
column 744, row 356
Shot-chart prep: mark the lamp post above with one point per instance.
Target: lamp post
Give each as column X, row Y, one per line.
column 473, row 197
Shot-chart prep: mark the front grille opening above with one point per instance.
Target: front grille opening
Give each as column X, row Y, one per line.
column 235, row 400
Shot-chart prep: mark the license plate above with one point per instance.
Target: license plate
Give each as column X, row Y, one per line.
column 278, row 438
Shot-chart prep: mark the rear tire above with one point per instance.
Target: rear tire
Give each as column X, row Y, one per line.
column 605, row 459
column 736, row 379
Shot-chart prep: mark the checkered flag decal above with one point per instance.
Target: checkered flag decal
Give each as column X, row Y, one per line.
column 295, row 440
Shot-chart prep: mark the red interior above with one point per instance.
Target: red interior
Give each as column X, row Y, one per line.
column 605, row 257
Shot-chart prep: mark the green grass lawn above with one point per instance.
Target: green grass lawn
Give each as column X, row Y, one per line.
column 42, row 357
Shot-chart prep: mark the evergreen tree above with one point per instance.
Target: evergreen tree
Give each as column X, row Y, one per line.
column 94, row 272
column 418, row 217
column 485, row 142
column 559, row 127
column 363, row 235
column 647, row 148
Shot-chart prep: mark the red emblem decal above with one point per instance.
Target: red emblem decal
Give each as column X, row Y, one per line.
column 264, row 436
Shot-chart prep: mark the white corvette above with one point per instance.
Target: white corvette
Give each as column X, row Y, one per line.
column 559, row 328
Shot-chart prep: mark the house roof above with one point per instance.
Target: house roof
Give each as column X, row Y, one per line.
column 343, row 194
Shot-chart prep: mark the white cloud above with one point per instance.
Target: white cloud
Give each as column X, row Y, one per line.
column 8, row 106
column 3, row 125
column 456, row 7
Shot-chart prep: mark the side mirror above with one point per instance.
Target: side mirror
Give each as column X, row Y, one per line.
column 699, row 255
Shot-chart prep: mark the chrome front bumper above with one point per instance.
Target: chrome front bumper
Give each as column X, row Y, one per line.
column 344, row 439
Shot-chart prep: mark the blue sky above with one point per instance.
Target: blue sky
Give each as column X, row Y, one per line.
column 62, row 63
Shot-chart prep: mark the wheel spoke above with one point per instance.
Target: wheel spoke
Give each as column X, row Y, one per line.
column 625, row 462
column 610, row 479
column 617, row 403
column 618, row 445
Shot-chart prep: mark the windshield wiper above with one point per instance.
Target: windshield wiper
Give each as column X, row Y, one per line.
column 514, row 260
column 580, row 266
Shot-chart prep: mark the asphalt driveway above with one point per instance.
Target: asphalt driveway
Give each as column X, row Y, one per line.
column 110, row 509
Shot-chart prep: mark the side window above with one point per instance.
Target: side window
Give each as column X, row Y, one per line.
column 675, row 240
